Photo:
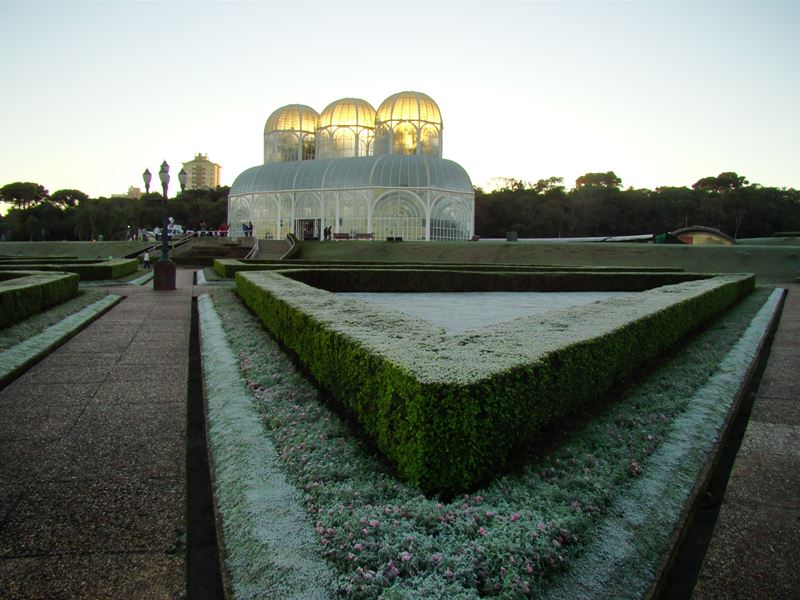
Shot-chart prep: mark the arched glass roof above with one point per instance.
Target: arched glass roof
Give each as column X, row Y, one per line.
column 347, row 112
column 292, row 117
column 415, row 107
column 385, row 171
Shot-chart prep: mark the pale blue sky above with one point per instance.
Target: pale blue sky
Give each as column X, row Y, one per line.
column 663, row 93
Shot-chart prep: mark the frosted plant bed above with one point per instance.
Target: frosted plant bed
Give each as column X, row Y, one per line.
column 451, row 410
column 458, row 312
column 588, row 514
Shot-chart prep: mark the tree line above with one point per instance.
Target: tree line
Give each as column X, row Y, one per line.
column 36, row 214
column 597, row 206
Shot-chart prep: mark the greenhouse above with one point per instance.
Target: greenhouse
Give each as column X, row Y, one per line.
column 366, row 174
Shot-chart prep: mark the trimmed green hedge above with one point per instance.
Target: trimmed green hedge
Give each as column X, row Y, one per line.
column 88, row 270
column 26, row 293
column 229, row 267
column 448, row 411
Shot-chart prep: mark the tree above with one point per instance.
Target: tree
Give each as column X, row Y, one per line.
column 724, row 182
column 23, row 194
column 67, row 198
column 608, row 180
column 551, row 183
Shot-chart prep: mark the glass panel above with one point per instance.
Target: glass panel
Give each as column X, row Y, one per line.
column 353, row 213
column 429, row 140
column 399, row 214
column 309, row 146
column 450, row 219
column 404, row 139
column 344, row 143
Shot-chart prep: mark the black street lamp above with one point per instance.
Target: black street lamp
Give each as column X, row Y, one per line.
column 182, row 179
column 147, row 177
column 164, row 269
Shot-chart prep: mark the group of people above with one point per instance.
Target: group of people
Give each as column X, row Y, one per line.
column 247, row 229
column 327, row 233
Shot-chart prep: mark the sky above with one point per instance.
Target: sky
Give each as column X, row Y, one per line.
column 661, row 93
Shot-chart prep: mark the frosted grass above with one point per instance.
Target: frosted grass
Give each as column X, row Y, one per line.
column 459, row 312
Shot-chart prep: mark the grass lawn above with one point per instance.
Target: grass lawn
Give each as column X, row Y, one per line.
column 72, row 249
column 771, row 264
column 530, row 530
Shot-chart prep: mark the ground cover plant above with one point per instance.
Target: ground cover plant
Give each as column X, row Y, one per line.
column 449, row 411
column 384, row 538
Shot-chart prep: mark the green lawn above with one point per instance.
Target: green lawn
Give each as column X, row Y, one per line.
column 72, row 249
column 771, row 264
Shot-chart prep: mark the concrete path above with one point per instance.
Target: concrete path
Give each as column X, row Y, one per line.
column 754, row 550
column 92, row 439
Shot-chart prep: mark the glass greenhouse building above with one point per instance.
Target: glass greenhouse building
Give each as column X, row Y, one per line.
column 361, row 172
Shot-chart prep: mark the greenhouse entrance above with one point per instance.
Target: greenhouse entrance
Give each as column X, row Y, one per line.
column 307, row 229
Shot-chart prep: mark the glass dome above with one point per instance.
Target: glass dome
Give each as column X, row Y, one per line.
column 408, row 123
column 289, row 134
column 346, row 129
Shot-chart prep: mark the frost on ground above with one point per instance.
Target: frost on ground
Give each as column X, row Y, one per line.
column 512, row 538
column 466, row 311
column 270, row 550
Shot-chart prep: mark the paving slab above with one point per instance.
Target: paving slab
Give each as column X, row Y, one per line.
column 753, row 549
column 776, row 410
column 38, row 421
column 112, row 457
column 134, row 576
column 25, row 393
column 752, row 555
column 94, row 516
column 93, row 469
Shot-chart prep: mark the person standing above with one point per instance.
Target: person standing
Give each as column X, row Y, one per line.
column 146, row 259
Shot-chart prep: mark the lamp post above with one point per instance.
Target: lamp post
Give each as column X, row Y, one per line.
column 147, row 177
column 164, row 269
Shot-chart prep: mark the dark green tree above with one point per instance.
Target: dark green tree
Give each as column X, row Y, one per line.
column 67, row 198
column 608, row 180
column 23, row 194
column 724, row 182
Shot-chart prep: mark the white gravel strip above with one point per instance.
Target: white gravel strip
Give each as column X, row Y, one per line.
column 270, row 549
column 142, row 279
column 41, row 344
column 620, row 563
column 201, row 277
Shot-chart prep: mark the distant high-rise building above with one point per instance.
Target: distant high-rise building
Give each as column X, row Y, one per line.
column 201, row 173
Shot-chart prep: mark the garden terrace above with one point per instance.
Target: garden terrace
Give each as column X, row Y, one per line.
column 449, row 411
column 228, row 267
column 770, row 264
column 86, row 269
column 24, row 293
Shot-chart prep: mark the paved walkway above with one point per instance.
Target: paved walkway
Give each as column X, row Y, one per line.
column 92, row 439
column 754, row 550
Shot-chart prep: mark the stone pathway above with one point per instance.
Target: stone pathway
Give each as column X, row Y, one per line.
column 753, row 552
column 92, row 439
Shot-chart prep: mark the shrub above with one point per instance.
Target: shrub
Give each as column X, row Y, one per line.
column 88, row 270
column 26, row 293
column 450, row 410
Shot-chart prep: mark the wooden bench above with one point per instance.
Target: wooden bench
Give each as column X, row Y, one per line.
column 341, row 236
column 364, row 236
